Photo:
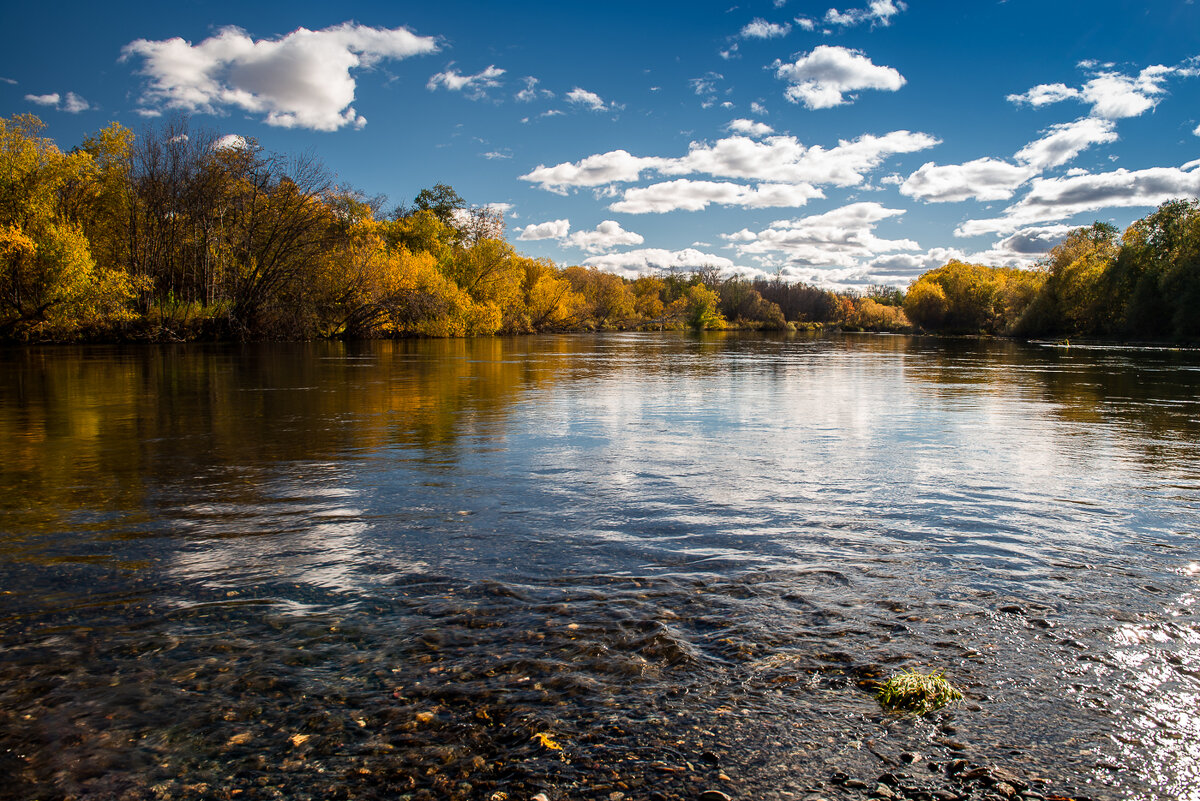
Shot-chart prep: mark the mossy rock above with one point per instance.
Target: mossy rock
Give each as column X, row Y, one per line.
column 916, row 692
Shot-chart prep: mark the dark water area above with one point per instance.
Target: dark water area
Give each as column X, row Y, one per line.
column 621, row 566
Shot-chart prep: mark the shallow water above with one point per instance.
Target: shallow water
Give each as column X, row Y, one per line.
column 594, row 564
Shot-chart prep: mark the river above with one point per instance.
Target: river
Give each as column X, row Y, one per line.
column 611, row 566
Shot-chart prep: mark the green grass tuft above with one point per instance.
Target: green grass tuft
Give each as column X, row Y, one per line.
column 916, row 692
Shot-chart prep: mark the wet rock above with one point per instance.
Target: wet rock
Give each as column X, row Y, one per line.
column 540, row 797
column 710, row 758
column 883, row 791
column 1012, row 609
column 838, row 777
column 908, row 757
column 714, row 795
column 1005, row 789
column 956, row 766
column 855, row 784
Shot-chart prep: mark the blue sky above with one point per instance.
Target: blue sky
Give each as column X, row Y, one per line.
column 838, row 145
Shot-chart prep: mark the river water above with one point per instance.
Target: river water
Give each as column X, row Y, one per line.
column 635, row 566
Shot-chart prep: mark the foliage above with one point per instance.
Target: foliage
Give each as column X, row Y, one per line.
column 172, row 233
column 916, row 692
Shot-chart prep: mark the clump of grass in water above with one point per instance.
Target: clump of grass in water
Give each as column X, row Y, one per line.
column 920, row 693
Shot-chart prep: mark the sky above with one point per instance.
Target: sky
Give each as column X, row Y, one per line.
column 842, row 146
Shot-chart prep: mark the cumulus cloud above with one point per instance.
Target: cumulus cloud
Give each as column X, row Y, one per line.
column 822, row 78
column 1112, row 95
column 877, row 12
column 759, row 28
column 750, row 128
column 555, row 229
column 602, row 168
column 805, row 23
column 688, row 195
column 1045, row 94
column 844, row 237
column 301, row 80
column 995, row 179
column 1051, row 199
column 71, row 103
column 635, row 263
column 1197, row 130
column 1032, row 242
column 473, row 86
column 1065, row 141
column 589, row 100
column 606, row 236
column 982, row 179
column 231, row 142
column 774, row 159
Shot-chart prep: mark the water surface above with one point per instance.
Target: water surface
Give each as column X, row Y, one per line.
column 594, row 564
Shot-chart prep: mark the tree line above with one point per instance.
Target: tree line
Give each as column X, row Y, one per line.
column 177, row 234
column 1143, row 284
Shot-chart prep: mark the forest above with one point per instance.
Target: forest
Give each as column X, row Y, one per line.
column 175, row 234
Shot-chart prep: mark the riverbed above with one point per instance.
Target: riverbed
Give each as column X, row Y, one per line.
column 596, row 566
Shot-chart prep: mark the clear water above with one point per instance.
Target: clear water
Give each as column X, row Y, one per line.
column 413, row 569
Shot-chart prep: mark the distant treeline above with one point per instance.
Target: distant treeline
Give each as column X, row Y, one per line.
column 176, row 234
column 1144, row 284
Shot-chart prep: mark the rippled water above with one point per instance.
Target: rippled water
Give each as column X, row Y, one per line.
column 582, row 565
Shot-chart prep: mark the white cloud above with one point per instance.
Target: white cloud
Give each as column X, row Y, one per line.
column 582, row 97
column 1032, row 242
column 982, row 179
column 602, row 168
column 71, row 104
column 1112, row 95
column 555, row 229
column 822, row 78
column 688, row 195
column 774, row 159
column 473, row 86
column 843, row 237
column 759, row 109
column 759, row 28
column 606, row 236
column 492, row 155
column 877, row 12
column 1060, row 198
column 706, row 88
column 750, row 128
column 1045, row 94
column 1065, row 141
column 805, row 23
column 1197, row 130
column 994, row 179
column 230, row 142
column 75, row 104
column 301, row 80
column 531, row 92
column 634, row 263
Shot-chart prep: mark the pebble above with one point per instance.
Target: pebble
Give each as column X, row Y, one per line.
column 883, row 791
column 540, row 797
column 714, row 795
